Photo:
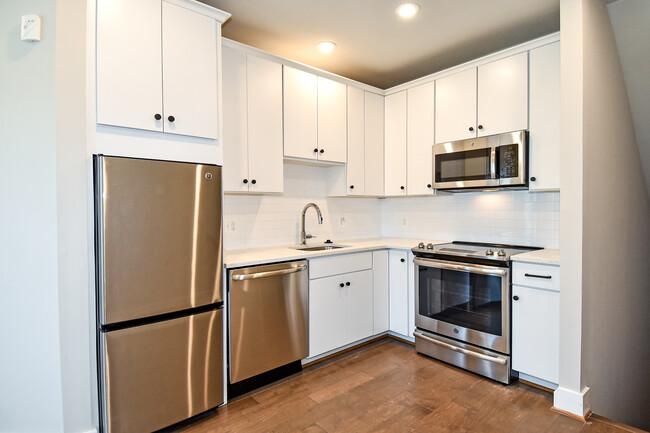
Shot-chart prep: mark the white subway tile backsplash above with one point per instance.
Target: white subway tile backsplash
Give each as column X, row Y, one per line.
column 505, row 217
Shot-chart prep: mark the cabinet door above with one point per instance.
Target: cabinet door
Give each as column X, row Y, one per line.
column 503, row 95
column 411, row 294
column 395, row 145
column 265, row 166
column 300, row 114
column 374, row 131
column 356, row 142
column 536, row 332
column 381, row 291
column 235, row 126
column 332, row 114
column 419, row 133
column 544, row 138
column 129, row 74
column 398, row 283
column 326, row 314
column 358, row 306
column 190, row 73
column 456, row 106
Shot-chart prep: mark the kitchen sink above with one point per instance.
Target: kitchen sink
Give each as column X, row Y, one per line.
column 318, row 247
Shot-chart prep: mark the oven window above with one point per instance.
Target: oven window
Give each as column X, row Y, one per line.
column 464, row 299
column 462, row 166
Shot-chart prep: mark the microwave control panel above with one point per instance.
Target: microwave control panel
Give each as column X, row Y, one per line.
column 508, row 161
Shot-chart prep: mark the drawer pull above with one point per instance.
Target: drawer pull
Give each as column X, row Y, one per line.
column 546, row 277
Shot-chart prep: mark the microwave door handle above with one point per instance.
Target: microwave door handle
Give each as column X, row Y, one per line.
column 493, row 162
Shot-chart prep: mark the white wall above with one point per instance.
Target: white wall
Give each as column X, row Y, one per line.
column 616, row 235
column 513, row 217
column 30, row 364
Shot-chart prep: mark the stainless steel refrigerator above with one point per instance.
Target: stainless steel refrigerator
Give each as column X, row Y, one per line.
column 158, row 247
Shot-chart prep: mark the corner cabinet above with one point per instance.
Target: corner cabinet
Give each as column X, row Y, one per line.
column 252, row 131
column 487, row 100
column 314, row 117
column 165, row 79
column 536, row 322
column 395, row 145
column 419, row 144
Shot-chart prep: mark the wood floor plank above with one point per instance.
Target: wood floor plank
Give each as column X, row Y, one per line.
column 387, row 387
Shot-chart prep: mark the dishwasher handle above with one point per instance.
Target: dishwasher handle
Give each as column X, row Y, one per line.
column 242, row 277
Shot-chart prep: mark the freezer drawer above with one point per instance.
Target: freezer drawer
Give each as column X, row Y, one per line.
column 158, row 237
column 269, row 318
column 158, row 374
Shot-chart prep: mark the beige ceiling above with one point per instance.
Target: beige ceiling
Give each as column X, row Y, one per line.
column 375, row 46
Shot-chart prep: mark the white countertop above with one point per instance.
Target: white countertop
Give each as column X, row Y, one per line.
column 545, row 257
column 258, row 256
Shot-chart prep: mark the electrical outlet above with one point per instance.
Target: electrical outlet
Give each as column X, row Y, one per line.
column 341, row 221
column 232, row 226
column 405, row 222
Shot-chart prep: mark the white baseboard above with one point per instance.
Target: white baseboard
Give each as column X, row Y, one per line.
column 576, row 403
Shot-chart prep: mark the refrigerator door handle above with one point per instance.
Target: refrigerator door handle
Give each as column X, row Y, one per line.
column 242, row 277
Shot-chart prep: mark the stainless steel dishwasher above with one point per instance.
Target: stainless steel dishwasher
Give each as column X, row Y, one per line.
column 269, row 318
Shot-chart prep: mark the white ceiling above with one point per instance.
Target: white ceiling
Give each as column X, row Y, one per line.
column 377, row 47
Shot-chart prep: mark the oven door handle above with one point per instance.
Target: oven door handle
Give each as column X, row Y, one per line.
column 472, row 353
column 463, row 267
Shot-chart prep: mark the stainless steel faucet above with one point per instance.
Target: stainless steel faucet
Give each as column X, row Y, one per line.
column 304, row 236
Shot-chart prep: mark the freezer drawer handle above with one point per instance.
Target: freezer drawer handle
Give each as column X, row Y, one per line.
column 494, row 359
column 269, row 273
column 547, row 277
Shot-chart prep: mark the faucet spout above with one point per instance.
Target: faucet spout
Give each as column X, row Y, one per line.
column 303, row 235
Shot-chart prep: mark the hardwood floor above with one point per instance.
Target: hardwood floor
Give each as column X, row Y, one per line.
column 388, row 387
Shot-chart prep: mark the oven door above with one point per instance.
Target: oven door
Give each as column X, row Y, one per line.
column 464, row 301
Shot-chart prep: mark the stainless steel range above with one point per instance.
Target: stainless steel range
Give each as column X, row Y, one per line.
column 462, row 305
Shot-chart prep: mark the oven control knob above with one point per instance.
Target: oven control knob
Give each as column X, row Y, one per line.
column 429, row 246
column 501, row 253
column 489, row 252
column 421, row 245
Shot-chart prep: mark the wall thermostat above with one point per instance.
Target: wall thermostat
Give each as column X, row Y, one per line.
column 30, row 28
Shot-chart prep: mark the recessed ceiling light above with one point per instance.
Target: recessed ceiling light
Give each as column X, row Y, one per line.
column 407, row 10
column 326, row 46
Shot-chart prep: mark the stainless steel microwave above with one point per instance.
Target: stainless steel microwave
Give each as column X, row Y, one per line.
column 493, row 162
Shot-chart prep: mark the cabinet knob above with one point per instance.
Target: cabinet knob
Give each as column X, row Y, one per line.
column 171, row 118
column 516, row 298
column 315, row 150
column 322, row 151
column 341, row 285
column 402, row 187
column 253, row 181
column 533, row 179
column 245, row 180
column 402, row 260
column 157, row 116
column 428, row 185
column 471, row 128
column 480, row 127
column 347, row 284
column 351, row 186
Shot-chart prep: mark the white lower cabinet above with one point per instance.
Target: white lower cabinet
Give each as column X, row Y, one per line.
column 398, row 287
column 536, row 322
column 381, row 291
column 340, row 310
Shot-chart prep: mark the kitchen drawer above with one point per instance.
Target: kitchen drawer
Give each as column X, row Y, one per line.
column 536, row 275
column 339, row 264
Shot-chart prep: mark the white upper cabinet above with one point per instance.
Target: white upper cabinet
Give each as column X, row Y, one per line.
column 355, row 170
column 419, row 133
column 374, row 152
column 503, row 95
column 395, row 145
column 129, row 70
column 300, row 114
column 491, row 99
column 456, row 106
column 544, row 138
column 164, row 80
column 332, row 121
column 252, row 91
column 314, row 117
